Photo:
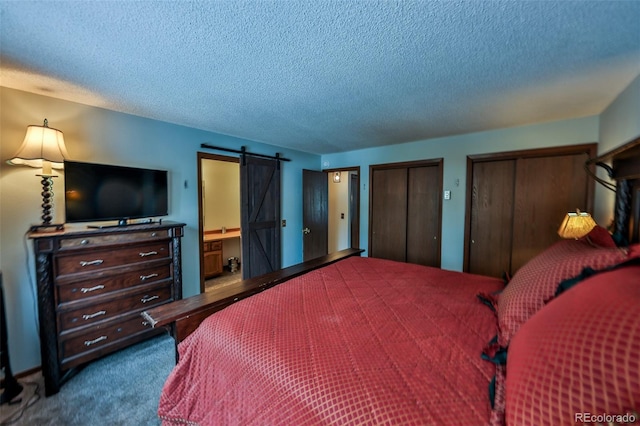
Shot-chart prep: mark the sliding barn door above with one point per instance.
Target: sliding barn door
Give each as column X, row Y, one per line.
column 260, row 215
column 405, row 215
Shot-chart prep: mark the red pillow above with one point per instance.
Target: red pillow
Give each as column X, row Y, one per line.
column 600, row 237
column 579, row 356
column 536, row 282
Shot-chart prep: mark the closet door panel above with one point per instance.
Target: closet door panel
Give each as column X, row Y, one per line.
column 423, row 215
column 389, row 214
column 546, row 189
column 491, row 225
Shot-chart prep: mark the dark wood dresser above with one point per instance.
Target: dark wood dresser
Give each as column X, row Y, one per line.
column 92, row 286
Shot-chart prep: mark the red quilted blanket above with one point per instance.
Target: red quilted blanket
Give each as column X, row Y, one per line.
column 362, row 341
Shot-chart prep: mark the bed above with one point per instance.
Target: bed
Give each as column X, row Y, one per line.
column 351, row 340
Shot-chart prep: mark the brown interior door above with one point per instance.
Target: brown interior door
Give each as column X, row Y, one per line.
column 423, row 215
column 260, row 215
column 315, row 214
column 406, row 212
column 491, row 226
column 354, row 209
column 546, row 188
column 388, row 238
column 517, row 201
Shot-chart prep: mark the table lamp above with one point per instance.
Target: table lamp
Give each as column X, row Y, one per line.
column 576, row 225
column 43, row 147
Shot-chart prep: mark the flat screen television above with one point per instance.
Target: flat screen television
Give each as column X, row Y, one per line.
column 101, row 192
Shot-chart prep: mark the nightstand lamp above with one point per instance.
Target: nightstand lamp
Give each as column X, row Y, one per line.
column 576, row 225
column 43, row 147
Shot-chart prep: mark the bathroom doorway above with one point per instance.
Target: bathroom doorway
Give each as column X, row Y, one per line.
column 219, row 220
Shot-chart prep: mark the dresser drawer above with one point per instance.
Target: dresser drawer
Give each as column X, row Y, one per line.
column 93, row 313
column 93, row 260
column 106, row 239
column 102, row 335
column 99, row 286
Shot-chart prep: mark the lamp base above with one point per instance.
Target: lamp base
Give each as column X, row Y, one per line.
column 47, row 227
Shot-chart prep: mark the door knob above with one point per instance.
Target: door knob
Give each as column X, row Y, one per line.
column 306, row 231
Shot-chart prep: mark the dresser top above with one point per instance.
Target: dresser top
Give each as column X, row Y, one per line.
column 80, row 230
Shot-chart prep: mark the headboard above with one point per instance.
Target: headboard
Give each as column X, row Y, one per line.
column 625, row 170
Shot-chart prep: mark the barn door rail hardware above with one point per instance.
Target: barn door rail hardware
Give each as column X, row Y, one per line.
column 243, row 151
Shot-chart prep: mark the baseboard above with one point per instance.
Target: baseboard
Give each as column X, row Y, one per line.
column 23, row 374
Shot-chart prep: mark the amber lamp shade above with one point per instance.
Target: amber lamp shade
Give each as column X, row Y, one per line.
column 576, row 225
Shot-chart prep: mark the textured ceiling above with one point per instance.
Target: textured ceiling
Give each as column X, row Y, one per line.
column 327, row 76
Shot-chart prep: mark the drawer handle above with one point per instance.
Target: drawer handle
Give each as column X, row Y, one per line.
column 149, row 298
column 149, row 253
column 91, row 262
column 96, row 314
column 146, row 277
column 94, row 341
column 88, row 290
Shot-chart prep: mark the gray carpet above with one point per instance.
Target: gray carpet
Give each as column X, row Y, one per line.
column 120, row 389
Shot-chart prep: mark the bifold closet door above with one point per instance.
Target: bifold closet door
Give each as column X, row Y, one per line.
column 405, row 217
column 546, row 188
column 516, row 202
column 423, row 216
column 389, row 214
column 491, row 228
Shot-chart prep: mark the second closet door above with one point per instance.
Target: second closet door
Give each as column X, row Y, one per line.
column 388, row 239
column 423, row 215
column 516, row 202
column 405, row 216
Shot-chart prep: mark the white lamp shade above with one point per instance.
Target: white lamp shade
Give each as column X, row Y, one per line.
column 41, row 143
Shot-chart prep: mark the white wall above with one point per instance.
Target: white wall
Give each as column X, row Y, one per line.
column 103, row 136
column 338, row 206
column 221, row 194
column 221, row 201
column 619, row 124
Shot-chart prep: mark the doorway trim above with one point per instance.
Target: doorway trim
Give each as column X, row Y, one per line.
column 357, row 200
column 215, row 157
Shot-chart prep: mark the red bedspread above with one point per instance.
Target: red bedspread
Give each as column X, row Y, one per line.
column 362, row 341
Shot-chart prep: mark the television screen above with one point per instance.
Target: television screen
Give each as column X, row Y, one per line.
column 100, row 192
